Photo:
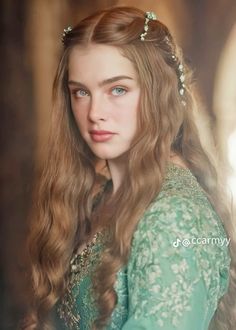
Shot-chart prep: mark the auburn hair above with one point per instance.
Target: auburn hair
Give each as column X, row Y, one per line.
column 62, row 217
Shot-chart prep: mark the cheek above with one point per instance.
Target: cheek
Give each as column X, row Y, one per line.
column 131, row 112
column 133, row 118
column 80, row 118
column 128, row 122
column 128, row 108
column 79, row 114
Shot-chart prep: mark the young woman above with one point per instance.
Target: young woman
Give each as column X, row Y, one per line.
column 149, row 250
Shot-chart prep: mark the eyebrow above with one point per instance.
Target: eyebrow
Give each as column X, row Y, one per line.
column 102, row 83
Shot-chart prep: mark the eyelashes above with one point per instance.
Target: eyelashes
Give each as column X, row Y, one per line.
column 82, row 93
column 79, row 93
column 118, row 91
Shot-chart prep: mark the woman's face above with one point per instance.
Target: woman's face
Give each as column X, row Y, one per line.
column 105, row 95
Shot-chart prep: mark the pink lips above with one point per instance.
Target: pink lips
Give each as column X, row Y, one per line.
column 100, row 136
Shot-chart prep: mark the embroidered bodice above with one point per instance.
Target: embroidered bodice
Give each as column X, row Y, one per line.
column 177, row 271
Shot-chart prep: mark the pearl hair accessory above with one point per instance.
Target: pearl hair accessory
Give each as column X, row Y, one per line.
column 180, row 73
column 149, row 16
column 181, row 77
column 65, row 32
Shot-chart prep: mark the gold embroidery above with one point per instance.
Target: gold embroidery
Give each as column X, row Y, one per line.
column 81, row 265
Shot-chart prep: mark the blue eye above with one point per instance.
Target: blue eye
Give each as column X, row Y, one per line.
column 80, row 93
column 118, row 91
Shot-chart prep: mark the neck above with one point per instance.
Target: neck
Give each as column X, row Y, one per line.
column 117, row 171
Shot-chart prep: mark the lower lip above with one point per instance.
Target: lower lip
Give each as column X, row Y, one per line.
column 101, row 137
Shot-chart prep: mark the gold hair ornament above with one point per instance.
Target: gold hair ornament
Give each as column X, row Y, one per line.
column 149, row 16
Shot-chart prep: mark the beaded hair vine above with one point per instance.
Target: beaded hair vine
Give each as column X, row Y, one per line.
column 180, row 72
column 151, row 16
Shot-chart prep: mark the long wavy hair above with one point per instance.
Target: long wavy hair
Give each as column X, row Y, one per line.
column 63, row 211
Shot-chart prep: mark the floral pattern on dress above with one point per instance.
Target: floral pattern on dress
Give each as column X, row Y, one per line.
column 162, row 278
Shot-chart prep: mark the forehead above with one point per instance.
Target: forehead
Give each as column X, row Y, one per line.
column 98, row 62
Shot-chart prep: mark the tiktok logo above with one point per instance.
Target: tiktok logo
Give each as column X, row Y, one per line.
column 176, row 243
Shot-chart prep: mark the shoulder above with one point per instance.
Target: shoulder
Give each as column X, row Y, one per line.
column 181, row 205
column 180, row 224
column 175, row 217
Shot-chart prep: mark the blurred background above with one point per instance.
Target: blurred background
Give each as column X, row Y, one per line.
column 29, row 49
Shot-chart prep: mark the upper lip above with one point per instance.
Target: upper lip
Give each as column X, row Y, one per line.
column 100, row 132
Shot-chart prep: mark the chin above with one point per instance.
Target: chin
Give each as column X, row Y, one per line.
column 105, row 155
column 107, row 152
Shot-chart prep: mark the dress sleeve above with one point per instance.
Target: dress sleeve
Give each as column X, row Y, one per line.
column 173, row 285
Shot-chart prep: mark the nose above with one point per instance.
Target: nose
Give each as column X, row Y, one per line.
column 97, row 110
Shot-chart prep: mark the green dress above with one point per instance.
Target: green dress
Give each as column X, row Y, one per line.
column 178, row 268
